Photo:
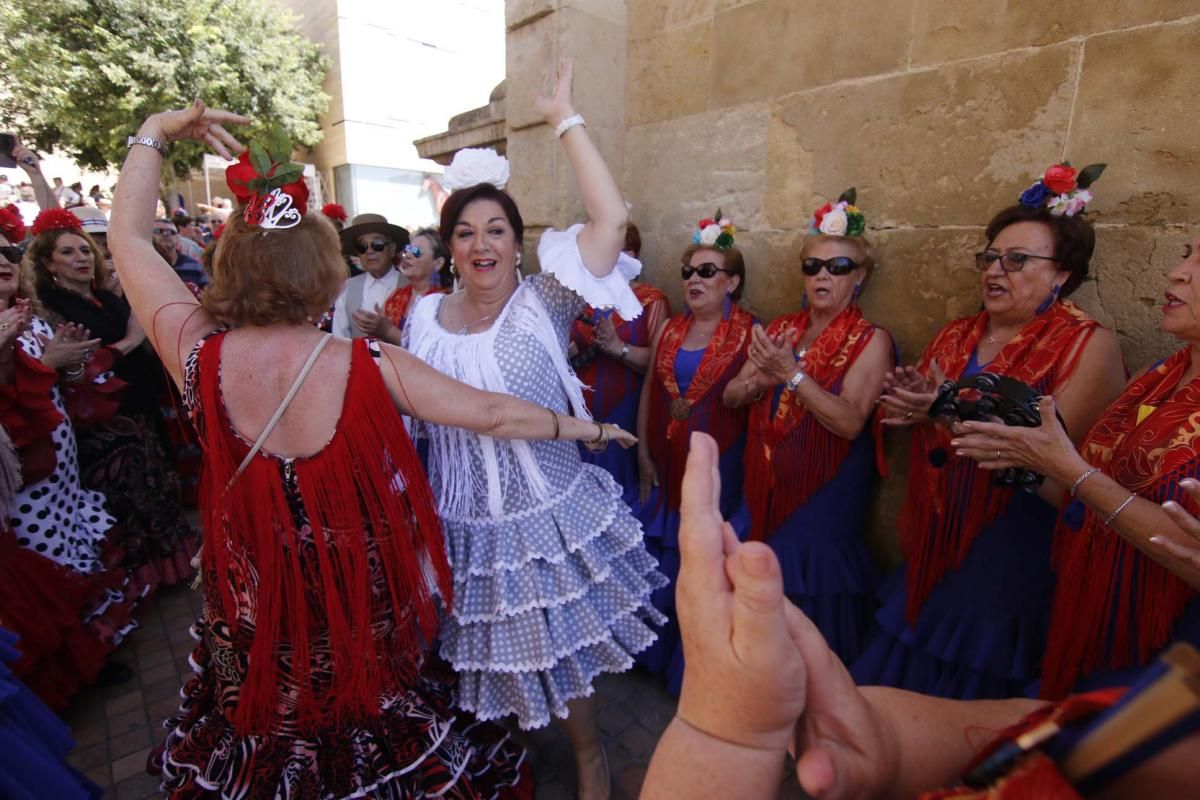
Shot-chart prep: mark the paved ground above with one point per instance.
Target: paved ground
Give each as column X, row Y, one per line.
column 115, row 728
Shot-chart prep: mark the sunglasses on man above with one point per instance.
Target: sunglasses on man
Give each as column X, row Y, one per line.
column 705, row 270
column 837, row 266
column 379, row 245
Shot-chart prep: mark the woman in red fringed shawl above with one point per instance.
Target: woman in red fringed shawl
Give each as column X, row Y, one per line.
column 323, row 560
column 966, row 615
column 1121, row 595
column 610, row 355
column 811, row 384
column 692, row 359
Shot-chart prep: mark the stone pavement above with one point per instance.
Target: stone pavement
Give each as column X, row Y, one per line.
column 116, row 727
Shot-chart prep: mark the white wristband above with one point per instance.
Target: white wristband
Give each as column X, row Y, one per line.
column 567, row 124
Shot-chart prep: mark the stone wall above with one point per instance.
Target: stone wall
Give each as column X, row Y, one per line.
column 939, row 111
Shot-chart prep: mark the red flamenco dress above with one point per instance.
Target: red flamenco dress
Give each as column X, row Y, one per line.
column 1115, row 608
column 59, row 589
column 966, row 616
column 685, row 396
column 320, row 582
column 614, row 387
column 807, row 490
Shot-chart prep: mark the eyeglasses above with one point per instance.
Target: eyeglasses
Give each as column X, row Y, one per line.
column 1009, row 262
column 705, row 270
column 379, row 245
column 837, row 266
column 412, row 250
column 165, row 232
column 11, row 253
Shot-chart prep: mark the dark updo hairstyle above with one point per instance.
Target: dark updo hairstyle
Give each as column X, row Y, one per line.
column 457, row 202
column 633, row 239
column 735, row 264
column 444, row 276
column 1074, row 239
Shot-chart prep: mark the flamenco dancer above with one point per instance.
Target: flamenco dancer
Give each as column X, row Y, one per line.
column 323, row 556
column 551, row 578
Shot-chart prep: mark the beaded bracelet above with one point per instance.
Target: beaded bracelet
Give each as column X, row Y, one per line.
column 1118, row 510
column 1079, row 481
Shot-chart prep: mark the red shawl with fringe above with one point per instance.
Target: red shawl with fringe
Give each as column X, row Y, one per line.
column 607, row 379
column 945, row 509
column 792, row 446
column 396, row 306
column 672, row 417
column 360, row 569
column 1114, row 606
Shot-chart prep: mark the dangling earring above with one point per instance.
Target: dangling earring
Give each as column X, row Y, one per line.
column 857, row 291
column 804, row 301
column 518, row 260
column 1049, row 301
column 727, row 306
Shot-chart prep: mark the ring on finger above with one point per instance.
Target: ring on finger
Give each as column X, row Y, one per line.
column 908, row 415
column 997, row 455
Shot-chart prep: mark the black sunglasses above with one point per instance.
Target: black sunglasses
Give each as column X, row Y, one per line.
column 706, row 270
column 11, row 253
column 837, row 266
column 379, row 245
column 1009, row 262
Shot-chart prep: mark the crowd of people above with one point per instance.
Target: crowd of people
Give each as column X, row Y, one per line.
column 426, row 511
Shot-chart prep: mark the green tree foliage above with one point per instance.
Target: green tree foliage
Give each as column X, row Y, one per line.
column 80, row 75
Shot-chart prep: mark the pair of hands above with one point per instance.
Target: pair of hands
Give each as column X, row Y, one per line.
column 774, row 357
column 606, row 337
column 70, row 347
column 759, row 674
column 374, row 323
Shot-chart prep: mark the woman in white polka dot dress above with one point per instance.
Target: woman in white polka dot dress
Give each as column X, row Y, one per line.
column 551, row 579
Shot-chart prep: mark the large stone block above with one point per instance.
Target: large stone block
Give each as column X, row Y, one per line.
column 522, row 12
column 1136, row 110
column 931, row 148
column 613, row 11
column 773, row 47
column 530, row 52
column 650, row 18
column 598, row 47
column 667, row 75
column 946, row 30
column 533, row 154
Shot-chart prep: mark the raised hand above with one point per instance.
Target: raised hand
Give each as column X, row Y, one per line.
column 559, row 105
column 199, row 123
column 907, row 394
column 69, row 348
column 13, row 322
column 773, row 356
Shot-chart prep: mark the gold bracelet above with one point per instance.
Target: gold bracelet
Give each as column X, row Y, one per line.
column 599, row 436
column 554, row 417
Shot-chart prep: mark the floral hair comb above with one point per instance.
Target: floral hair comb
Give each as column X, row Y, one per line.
column 269, row 184
column 715, row 231
column 55, row 219
column 1063, row 190
column 841, row 218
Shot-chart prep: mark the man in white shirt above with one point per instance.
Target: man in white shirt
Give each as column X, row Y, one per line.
column 375, row 242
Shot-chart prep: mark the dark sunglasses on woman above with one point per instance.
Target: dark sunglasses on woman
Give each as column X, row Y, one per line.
column 706, row 270
column 837, row 266
column 12, row 254
column 379, row 245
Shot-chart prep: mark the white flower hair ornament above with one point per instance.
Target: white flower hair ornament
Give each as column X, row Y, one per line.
column 715, row 231
column 842, row 218
column 475, row 165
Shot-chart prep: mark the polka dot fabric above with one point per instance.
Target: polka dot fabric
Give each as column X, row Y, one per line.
column 554, row 589
column 56, row 517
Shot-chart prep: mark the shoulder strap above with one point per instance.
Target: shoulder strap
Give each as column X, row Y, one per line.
column 283, row 406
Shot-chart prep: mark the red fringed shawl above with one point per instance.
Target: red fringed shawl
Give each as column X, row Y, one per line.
column 945, row 508
column 701, row 409
column 792, row 446
column 1114, row 606
column 608, row 381
column 368, row 559
column 396, row 306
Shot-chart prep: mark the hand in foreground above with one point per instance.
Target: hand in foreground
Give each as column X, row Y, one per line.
column 199, row 123
column 907, row 394
column 558, row 106
column 1186, row 553
column 14, row 320
column 1046, row 449
column 26, row 158
column 745, row 680
column 372, row 323
column 647, row 475
column 773, row 356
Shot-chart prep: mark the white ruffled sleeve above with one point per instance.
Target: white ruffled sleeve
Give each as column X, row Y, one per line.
column 558, row 253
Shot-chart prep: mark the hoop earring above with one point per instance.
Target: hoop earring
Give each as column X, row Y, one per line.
column 1049, row 301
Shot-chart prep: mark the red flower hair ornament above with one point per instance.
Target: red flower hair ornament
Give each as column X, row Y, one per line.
column 11, row 224
column 334, row 211
column 55, row 219
column 269, row 184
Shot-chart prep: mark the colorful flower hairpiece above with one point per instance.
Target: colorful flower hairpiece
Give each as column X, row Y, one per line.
column 715, row 231
column 11, row 224
column 1062, row 189
column 55, row 219
column 841, row 218
column 269, row 184
column 334, row 211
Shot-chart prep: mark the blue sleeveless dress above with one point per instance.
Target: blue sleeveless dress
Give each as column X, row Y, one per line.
column 982, row 631
column 620, row 463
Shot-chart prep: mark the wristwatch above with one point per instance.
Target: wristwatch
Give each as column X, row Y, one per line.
column 149, row 142
column 795, row 380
